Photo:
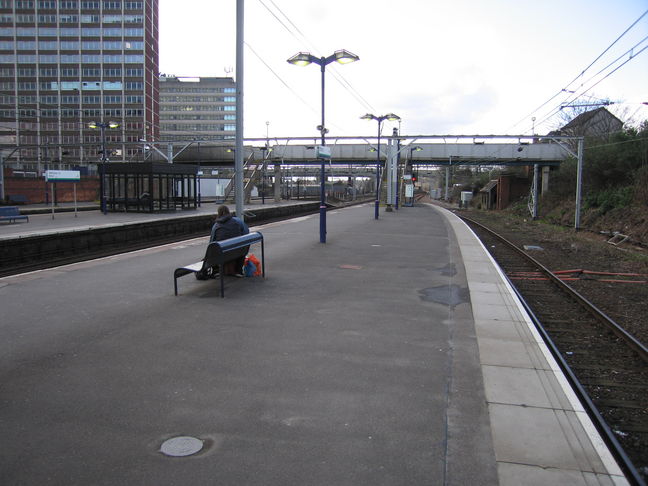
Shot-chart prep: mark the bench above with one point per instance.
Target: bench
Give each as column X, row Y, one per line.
column 17, row 199
column 219, row 253
column 11, row 214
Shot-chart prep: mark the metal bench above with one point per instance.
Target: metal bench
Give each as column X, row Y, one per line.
column 17, row 199
column 219, row 253
column 11, row 214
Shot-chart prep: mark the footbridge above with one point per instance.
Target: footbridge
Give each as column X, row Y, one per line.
column 417, row 150
column 390, row 159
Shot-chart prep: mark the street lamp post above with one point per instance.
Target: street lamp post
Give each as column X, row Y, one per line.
column 379, row 119
column 304, row 59
column 102, row 168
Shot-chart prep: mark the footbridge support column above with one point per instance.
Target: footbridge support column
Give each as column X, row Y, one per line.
column 277, row 182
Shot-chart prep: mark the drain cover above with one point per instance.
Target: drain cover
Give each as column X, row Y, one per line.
column 181, row 446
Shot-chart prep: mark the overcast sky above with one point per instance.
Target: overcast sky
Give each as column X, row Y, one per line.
column 458, row 67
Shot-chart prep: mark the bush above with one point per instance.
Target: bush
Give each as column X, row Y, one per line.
column 611, row 198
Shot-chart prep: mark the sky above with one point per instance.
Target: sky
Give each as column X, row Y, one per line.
column 460, row 67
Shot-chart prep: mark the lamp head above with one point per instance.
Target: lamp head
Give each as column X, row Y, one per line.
column 112, row 124
column 93, row 124
column 369, row 116
column 345, row 57
column 301, row 59
column 392, row 117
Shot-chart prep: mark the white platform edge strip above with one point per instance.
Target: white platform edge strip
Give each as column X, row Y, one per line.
column 597, row 442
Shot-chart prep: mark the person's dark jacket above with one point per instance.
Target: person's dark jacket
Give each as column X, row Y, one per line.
column 225, row 227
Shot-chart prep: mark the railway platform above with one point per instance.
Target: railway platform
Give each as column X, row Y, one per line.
column 394, row 354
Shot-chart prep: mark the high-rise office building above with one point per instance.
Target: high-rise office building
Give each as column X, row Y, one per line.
column 197, row 108
column 66, row 64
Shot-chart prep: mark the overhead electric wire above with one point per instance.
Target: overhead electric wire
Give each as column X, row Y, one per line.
column 600, row 80
column 279, row 77
column 302, row 38
column 579, row 75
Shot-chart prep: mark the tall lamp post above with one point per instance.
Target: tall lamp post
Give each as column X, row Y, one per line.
column 379, row 119
column 104, row 158
column 304, row 59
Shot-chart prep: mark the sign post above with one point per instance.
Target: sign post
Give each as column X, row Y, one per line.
column 54, row 176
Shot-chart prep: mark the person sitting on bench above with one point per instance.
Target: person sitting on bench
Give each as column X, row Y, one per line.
column 228, row 226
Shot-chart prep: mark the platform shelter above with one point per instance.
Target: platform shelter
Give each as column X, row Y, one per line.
column 150, row 186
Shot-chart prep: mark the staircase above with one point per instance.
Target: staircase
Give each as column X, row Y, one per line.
column 252, row 170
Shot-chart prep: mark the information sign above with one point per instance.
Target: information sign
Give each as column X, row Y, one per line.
column 323, row 152
column 62, row 176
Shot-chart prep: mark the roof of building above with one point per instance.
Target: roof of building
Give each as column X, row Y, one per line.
column 583, row 118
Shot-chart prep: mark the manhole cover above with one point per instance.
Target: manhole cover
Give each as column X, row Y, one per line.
column 181, row 446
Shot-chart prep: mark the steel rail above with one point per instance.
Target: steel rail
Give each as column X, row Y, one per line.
column 636, row 345
column 601, row 425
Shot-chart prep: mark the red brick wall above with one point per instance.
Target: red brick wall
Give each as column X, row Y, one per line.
column 510, row 188
column 34, row 189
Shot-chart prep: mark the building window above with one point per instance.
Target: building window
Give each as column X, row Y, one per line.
column 112, row 19
column 90, row 5
column 24, row 31
column 69, row 32
column 42, row 45
column 70, row 72
column 47, row 19
column 91, row 99
column 112, row 99
column 47, row 58
column 49, row 72
column 70, row 99
column 27, row 72
column 69, row 5
column 68, row 19
column 134, row 72
column 89, row 19
column 112, row 45
column 24, row 19
column 112, row 112
column 132, row 99
column 24, row 4
column 91, row 45
column 69, row 58
column 42, row 4
column 112, row 72
column 91, row 58
column 91, row 72
column 69, row 46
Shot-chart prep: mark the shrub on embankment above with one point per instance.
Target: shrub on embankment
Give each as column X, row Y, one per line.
column 615, row 186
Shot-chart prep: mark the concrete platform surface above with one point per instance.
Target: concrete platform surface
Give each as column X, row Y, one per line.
column 394, row 354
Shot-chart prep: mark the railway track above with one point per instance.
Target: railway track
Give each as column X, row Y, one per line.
column 607, row 366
